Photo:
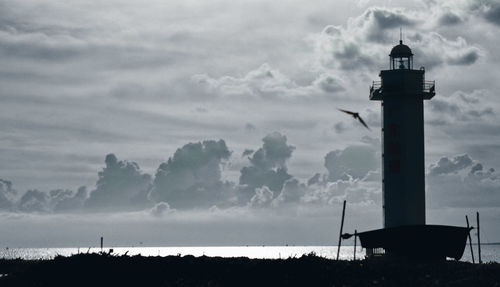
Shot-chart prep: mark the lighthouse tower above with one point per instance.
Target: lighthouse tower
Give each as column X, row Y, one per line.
column 402, row 91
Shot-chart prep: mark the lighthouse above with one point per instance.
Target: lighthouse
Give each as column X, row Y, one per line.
column 402, row 91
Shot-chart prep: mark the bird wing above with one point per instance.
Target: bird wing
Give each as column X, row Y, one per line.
column 347, row 112
column 363, row 122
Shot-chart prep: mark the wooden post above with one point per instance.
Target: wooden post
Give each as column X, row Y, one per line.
column 341, row 228
column 478, row 239
column 470, row 240
column 355, row 241
column 102, row 240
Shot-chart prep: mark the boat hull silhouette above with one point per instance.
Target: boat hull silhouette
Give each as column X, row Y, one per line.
column 418, row 241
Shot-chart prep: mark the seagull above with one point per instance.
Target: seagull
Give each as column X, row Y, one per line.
column 356, row 116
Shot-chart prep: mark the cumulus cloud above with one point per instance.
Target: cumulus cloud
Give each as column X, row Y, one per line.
column 33, row 201
column 326, row 189
column 192, row 176
column 459, row 181
column 336, row 50
column 354, row 161
column 353, row 174
column 292, row 191
column 120, row 185
column 375, row 21
column 69, row 201
column 364, row 42
column 446, row 165
column 268, row 166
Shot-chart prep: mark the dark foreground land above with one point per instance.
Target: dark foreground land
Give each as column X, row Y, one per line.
column 310, row 270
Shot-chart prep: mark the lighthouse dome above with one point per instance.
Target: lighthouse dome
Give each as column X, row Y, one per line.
column 400, row 51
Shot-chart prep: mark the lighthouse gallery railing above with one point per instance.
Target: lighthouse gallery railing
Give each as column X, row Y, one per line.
column 427, row 86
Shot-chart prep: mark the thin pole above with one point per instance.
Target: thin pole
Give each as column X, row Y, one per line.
column 470, row 240
column 102, row 240
column 341, row 228
column 355, row 241
column 478, row 239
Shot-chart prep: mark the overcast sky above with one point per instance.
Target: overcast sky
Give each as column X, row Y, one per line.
column 216, row 122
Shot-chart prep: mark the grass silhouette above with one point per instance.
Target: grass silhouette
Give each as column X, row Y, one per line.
column 106, row 269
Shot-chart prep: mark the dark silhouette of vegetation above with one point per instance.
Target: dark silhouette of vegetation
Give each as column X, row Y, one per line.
column 309, row 270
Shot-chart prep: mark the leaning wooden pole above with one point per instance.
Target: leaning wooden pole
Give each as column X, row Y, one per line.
column 355, row 241
column 470, row 240
column 478, row 240
column 341, row 228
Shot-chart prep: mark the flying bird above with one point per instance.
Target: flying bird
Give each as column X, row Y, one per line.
column 356, row 116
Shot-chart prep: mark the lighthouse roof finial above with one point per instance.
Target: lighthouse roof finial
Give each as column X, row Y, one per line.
column 401, row 50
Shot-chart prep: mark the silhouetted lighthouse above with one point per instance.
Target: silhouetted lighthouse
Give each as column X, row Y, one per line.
column 402, row 91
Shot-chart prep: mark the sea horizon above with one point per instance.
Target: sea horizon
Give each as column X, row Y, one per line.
column 490, row 252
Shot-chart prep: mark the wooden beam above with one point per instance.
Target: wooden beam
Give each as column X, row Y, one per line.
column 341, row 228
column 470, row 240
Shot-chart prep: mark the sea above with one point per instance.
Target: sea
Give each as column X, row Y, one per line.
column 489, row 253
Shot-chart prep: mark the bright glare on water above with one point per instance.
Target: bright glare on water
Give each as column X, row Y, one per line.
column 489, row 252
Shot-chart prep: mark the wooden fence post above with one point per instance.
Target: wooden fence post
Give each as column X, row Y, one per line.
column 478, row 239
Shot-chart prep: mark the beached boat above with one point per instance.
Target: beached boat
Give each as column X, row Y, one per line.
column 418, row 241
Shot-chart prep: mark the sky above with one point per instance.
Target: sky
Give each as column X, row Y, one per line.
column 216, row 122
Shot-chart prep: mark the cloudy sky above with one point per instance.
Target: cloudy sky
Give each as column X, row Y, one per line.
column 216, row 122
